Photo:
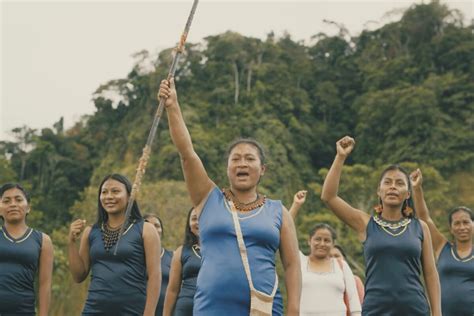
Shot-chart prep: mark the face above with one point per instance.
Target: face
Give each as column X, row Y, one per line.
column 194, row 223
column 321, row 243
column 461, row 226
column 244, row 167
column 393, row 188
column 113, row 196
column 156, row 222
column 14, row 206
column 335, row 253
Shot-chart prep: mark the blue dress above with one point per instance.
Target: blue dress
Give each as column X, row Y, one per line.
column 393, row 266
column 19, row 263
column 118, row 282
column 222, row 286
column 456, row 276
column 190, row 263
column 165, row 276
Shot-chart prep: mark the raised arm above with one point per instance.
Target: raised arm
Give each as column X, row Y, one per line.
column 298, row 200
column 353, row 217
column 437, row 239
column 45, row 276
column 174, row 283
column 430, row 273
column 79, row 262
column 151, row 244
column 195, row 175
column 291, row 263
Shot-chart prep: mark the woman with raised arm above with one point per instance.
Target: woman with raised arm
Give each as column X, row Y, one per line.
column 185, row 267
column 397, row 245
column 125, row 283
column 240, row 229
column 166, row 256
column 329, row 287
column 24, row 254
column 456, row 259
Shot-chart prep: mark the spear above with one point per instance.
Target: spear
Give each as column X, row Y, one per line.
column 143, row 161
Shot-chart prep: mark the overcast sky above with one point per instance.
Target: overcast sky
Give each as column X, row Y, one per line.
column 54, row 55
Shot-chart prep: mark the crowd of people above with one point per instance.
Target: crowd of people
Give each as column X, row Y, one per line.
column 227, row 262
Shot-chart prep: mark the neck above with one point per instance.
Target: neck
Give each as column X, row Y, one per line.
column 463, row 245
column 116, row 220
column 391, row 213
column 315, row 259
column 245, row 197
column 16, row 228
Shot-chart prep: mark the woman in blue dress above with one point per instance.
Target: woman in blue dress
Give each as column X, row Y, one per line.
column 456, row 259
column 184, row 271
column 223, row 285
column 125, row 283
column 24, row 254
column 397, row 245
column 166, row 256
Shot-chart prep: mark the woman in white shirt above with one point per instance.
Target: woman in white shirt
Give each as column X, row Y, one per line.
column 326, row 280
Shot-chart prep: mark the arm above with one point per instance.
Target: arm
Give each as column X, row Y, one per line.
column 438, row 240
column 353, row 217
column 298, row 201
column 79, row 261
column 430, row 273
column 195, row 175
column 351, row 290
column 174, row 283
column 151, row 244
column 45, row 275
column 291, row 263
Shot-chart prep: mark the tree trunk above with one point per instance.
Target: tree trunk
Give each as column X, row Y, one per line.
column 236, row 83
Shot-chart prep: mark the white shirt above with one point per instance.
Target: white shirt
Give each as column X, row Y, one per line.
column 323, row 292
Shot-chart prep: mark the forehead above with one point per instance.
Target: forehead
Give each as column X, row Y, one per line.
column 461, row 216
column 12, row 193
column 153, row 220
column 394, row 174
column 322, row 232
column 112, row 183
column 193, row 213
column 244, row 149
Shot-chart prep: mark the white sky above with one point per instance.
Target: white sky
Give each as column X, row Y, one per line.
column 55, row 54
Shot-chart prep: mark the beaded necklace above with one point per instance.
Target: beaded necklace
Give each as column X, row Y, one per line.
column 109, row 235
column 244, row 207
column 390, row 227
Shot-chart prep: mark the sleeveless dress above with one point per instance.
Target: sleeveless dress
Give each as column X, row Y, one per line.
column 456, row 276
column 19, row 263
column 166, row 257
column 118, row 282
column 190, row 263
column 393, row 265
column 222, row 286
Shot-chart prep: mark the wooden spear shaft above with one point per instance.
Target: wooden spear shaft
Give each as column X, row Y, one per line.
column 143, row 161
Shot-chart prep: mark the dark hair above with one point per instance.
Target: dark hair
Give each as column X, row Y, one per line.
column 323, row 226
column 189, row 238
column 148, row 215
column 10, row 185
column 338, row 247
column 250, row 141
column 460, row 209
column 102, row 215
column 408, row 202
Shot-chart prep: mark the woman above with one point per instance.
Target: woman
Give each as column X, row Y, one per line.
column 397, row 245
column 24, row 253
column 184, row 271
column 127, row 283
column 225, row 284
column 328, row 283
column 455, row 260
column 338, row 253
column 166, row 256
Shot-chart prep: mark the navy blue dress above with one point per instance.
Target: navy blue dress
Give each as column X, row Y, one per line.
column 456, row 276
column 393, row 265
column 165, row 276
column 190, row 263
column 118, row 282
column 19, row 263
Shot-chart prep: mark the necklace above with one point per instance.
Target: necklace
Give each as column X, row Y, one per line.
column 197, row 250
column 244, row 207
column 109, row 236
column 390, row 227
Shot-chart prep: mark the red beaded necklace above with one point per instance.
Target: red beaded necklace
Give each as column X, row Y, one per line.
column 244, row 207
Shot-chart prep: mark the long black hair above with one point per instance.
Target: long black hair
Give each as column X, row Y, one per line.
column 102, row 215
column 189, row 238
column 408, row 208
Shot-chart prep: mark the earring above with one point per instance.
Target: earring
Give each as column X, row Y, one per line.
column 407, row 211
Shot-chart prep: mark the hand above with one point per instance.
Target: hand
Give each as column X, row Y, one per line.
column 300, row 197
column 416, row 179
column 168, row 92
column 76, row 229
column 345, row 145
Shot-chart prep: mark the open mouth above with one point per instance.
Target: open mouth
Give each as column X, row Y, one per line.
column 242, row 174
